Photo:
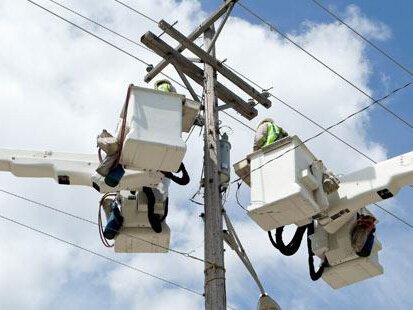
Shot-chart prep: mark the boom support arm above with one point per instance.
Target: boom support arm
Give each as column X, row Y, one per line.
column 71, row 169
column 367, row 186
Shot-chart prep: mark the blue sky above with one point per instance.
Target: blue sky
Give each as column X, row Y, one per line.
column 54, row 75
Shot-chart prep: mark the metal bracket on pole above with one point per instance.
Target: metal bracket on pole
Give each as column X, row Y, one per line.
column 193, row 59
column 197, row 74
column 224, row 107
column 216, row 64
column 195, row 34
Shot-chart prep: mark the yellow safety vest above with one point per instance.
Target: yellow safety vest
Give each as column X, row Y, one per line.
column 273, row 133
column 165, row 87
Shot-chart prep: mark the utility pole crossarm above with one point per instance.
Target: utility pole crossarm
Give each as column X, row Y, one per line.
column 217, row 65
column 197, row 74
column 195, row 34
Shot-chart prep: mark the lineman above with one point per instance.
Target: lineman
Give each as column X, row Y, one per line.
column 267, row 133
column 160, row 193
column 165, row 86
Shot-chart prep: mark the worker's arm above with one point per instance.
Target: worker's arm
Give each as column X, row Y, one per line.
column 260, row 136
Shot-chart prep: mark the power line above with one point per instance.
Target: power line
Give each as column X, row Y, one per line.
column 306, row 117
column 394, row 215
column 125, row 38
column 96, row 224
column 242, row 123
column 383, row 52
column 136, row 11
column 101, row 39
column 101, row 255
column 88, row 32
column 239, row 121
column 273, row 28
column 327, row 129
column 100, row 25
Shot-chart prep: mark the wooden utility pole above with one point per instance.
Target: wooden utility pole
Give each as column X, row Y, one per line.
column 215, row 292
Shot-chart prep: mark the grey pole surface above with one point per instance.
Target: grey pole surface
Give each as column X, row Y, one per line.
column 215, row 292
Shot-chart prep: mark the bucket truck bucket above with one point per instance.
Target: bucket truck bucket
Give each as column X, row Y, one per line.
column 189, row 114
column 345, row 266
column 154, row 131
column 286, row 184
column 136, row 234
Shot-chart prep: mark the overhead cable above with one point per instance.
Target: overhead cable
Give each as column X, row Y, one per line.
column 328, row 128
column 100, row 25
column 242, row 75
column 273, row 28
column 383, row 52
column 88, row 32
column 395, row 216
column 101, row 39
column 95, row 223
column 136, row 11
column 239, row 121
column 101, row 255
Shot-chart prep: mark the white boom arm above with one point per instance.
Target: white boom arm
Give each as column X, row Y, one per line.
column 70, row 169
column 367, row 186
column 286, row 182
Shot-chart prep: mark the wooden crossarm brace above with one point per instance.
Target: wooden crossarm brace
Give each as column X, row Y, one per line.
column 216, row 64
column 195, row 34
column 197, row 74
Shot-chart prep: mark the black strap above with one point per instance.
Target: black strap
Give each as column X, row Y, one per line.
column 154, row 219
column 315, row 275
column 184, row 180
column 292, row 247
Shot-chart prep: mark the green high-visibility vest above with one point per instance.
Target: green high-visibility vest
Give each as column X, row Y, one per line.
column 164, row 87
column 273, row 133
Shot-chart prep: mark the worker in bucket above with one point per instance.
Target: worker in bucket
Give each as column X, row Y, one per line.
column 165, row 86
column 362, row 236
column 160, row 193
column 267, row 133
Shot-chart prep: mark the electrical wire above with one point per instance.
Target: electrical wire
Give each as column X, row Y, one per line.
column 136, row 11
column 229, row 115
column 100, row 255
column 95, row 223
column 273, row 28
column 190, row 133
column 275, row 97
column 101, row 39
column 144, row 62
column 394, row 215
column 326, row 129
column 88, row 32
column 100, row 25
column 383, row 52
column 237, row 197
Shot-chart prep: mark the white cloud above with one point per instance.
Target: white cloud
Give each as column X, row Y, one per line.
column 60, row 87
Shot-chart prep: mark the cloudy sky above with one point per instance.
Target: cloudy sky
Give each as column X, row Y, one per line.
column 60, row 86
